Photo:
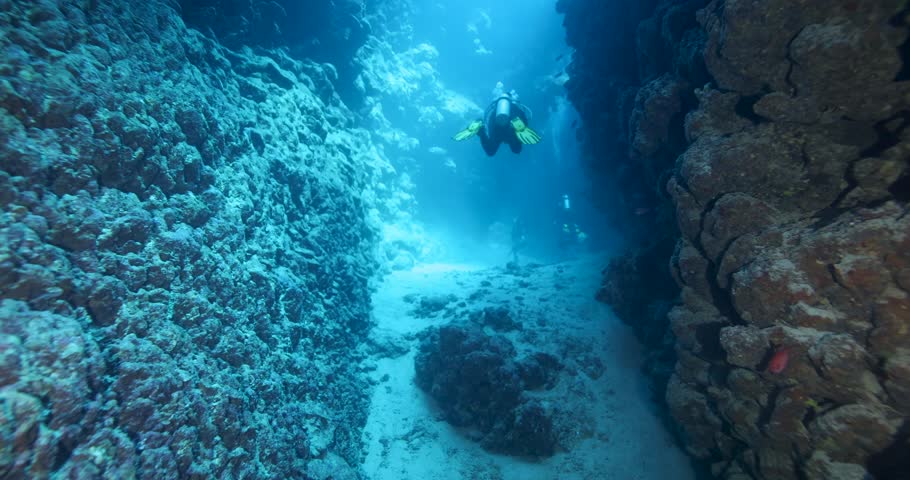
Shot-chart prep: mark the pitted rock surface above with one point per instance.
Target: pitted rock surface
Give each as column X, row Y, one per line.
column 186, row 239
column 788, row 178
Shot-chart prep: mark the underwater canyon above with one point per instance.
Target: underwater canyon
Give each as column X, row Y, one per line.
column 237, row 240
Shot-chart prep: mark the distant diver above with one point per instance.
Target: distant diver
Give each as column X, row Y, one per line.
column 570, row 236
column 519, row 237
column 505, row 120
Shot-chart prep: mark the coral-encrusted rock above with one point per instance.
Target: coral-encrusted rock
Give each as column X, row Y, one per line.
column 336, row 28
column 497, row 318
column 108, row 453
column 477, row 381
column 690, row 269
column 470, row 373
column 847, row 366
column 874, row 176
column 185, row 244
column 837, row 262
column 788, row 169
column 696, row 323
column 742, row 412
column 746, row 346
column 655, row 105
column 638, row 286
column 821, row 467
column 716, row 114
column 781, row 107
column 731, row 217
column 764, row 291
column 688, row 210
column 897, row 370
column 830, row 58
column 55, row 360
column 755, row 54
column 792, row 196
column 19, row 421
column 691, row 368
column 835, row 431
column 746, row 383
column 692, row 410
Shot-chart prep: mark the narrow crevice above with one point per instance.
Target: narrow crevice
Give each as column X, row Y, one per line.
column 902, row 20
column 889, row 134
column 709, row 206
column 830, row 214
column 903, row 213
column 789, row 56
column 676, row 143
column 764, row 417
column 662, row 180
column 722, row 472
column 737, row 319
column 708, row 336
column 887, row 138
column 745, row 108
column 882, row 377
column 818, row 369
column 711, row 403
column 64, row 453
column 726, row 248
column 799, row 466
column 804, row 157
column 901, row 188
column 892, row 462
column 766, row 359
column 809, row 417
column 835, row 277
column 681, row 181
column 750, row 471
column 758, row 466
column 718, row 374
column 722, row 298
column 719, row 9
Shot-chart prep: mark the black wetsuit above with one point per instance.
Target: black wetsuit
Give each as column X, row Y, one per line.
column 493, row 135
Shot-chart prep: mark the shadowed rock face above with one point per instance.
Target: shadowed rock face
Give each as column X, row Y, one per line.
column 479, row 383
column 332, row 30
column 789, row 190
column 322, row 30
column 184, row 252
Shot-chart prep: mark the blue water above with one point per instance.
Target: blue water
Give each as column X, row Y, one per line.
column 480, row 44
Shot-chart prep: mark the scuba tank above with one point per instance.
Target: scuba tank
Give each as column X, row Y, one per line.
column 566, row 203
column 503, row 111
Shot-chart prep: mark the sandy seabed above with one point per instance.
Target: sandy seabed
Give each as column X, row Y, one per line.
column 620, row 435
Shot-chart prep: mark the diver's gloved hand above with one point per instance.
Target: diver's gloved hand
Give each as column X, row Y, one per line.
column 524, row 133
column 468, row 132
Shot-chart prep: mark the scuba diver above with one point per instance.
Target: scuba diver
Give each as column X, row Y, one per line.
column 505, row 120
column 570, row 237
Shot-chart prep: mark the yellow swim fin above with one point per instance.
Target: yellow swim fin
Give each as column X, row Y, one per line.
column 468, row 132
column 524, row 133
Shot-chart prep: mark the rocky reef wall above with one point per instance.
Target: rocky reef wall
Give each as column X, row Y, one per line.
column 322, row 30
column 771, row 139
column 187, row 234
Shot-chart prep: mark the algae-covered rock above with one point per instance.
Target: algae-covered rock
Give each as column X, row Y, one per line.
column 789, row 190
column 478, row 382
column 186, row 241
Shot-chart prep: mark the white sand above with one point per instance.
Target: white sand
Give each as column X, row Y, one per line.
column 406, row 438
